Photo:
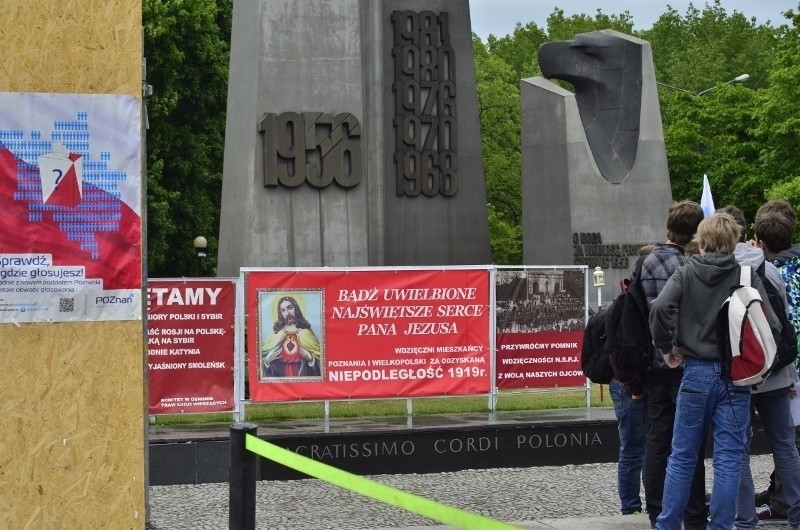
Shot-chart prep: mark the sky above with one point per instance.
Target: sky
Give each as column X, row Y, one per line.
column 499, row 17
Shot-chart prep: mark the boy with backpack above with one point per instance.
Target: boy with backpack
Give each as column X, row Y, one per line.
column 771, row 399
column 775, row 226
column 660, row 382
column 631, row 413
column 630, row 408
column 683, row 322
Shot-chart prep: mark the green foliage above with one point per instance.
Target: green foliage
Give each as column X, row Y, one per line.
column 778, row 124
column 705, row 48
column 715, row 132
column 560, row 27
column 505, row 239
column 519, row 49
column 187, row 49
column 712, row 135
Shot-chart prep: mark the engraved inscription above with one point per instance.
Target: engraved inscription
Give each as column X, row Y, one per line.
column 590, row 250
column 314, row 147
column 426, row 138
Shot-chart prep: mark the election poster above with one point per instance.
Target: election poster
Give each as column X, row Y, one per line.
column 540, row 316
column 340, row 334
column 190, row 338
column 70, row 207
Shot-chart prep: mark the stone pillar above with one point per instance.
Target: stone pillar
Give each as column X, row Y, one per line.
column 572, row 212
column 314, row 136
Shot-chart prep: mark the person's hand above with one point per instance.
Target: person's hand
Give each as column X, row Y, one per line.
column 272, row 355
column 674, row 357
column 639, row 397
column 306, row 356
column 792, row 391
column 752, row 242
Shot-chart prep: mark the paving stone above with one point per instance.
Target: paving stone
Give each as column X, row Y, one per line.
column 533, row 496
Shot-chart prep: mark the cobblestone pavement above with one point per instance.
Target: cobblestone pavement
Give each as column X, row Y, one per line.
column 510, row 494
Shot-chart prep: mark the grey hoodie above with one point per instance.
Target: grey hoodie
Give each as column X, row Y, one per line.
column 691, row 298
column 749, row 255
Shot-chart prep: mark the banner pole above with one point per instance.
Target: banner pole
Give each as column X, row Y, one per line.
column 238, row 351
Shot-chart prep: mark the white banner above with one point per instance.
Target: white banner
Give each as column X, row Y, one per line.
column 70, row 207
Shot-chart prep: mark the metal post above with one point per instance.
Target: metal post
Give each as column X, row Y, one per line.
column 599, row 299
column 242, row 478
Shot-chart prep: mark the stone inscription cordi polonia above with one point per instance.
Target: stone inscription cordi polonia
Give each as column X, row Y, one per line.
column 424, row 88
column 454, row 444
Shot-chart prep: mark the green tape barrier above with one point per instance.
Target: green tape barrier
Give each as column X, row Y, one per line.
column 381, row 492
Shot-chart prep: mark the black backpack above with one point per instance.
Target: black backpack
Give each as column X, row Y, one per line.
column 594, row 352
column 629, row 341
column 787, row 341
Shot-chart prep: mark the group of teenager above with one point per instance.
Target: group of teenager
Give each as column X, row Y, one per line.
column 667, row 413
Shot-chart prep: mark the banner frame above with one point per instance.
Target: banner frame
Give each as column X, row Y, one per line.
column 493, row 395
column 587, row 386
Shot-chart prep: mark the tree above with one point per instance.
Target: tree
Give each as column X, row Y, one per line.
column 187, row 45
column 778, row 125
column 705, row 48
column 713, row 133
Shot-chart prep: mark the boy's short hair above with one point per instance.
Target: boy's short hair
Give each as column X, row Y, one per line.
column 775, row 231
column 692, row 248
column 780, row 206
column 682, row 221
column 738, row 216
column 718, row 233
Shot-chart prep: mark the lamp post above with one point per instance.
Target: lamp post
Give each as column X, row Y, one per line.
column 737, row 79
column 599, row 279
column 200, row 246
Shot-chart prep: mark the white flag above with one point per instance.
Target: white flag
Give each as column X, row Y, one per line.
column 706, row 201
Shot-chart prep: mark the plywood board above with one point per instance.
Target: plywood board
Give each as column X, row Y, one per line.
column 72, row 439
column 77, row 46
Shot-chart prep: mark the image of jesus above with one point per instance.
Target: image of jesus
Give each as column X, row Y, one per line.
column 291, row 349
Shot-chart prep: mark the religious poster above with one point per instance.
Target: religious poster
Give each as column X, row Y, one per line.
column 377, row 333
column 540, row 317
column 70, row 207
column 190, row 345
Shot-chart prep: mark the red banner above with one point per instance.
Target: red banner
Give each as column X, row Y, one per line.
column 536, row 360
column 316, row 335
column 190, row 345
column 540, row 315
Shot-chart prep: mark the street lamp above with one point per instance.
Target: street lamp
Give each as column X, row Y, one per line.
column 737, row 79
column 599, row 279
column 200, row 246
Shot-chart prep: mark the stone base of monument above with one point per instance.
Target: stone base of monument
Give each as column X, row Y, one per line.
column 397, row 445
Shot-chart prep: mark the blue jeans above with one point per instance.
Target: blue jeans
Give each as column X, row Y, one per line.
column 704, row 397
column 632, row 424
column 773, row 407
column 662, row 403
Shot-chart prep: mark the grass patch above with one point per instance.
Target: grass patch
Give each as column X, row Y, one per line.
column 364, row 408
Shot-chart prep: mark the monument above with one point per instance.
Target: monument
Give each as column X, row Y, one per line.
column 597, row 154
column 352, row 136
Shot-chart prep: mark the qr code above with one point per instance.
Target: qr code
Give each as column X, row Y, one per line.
column 66, row 305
